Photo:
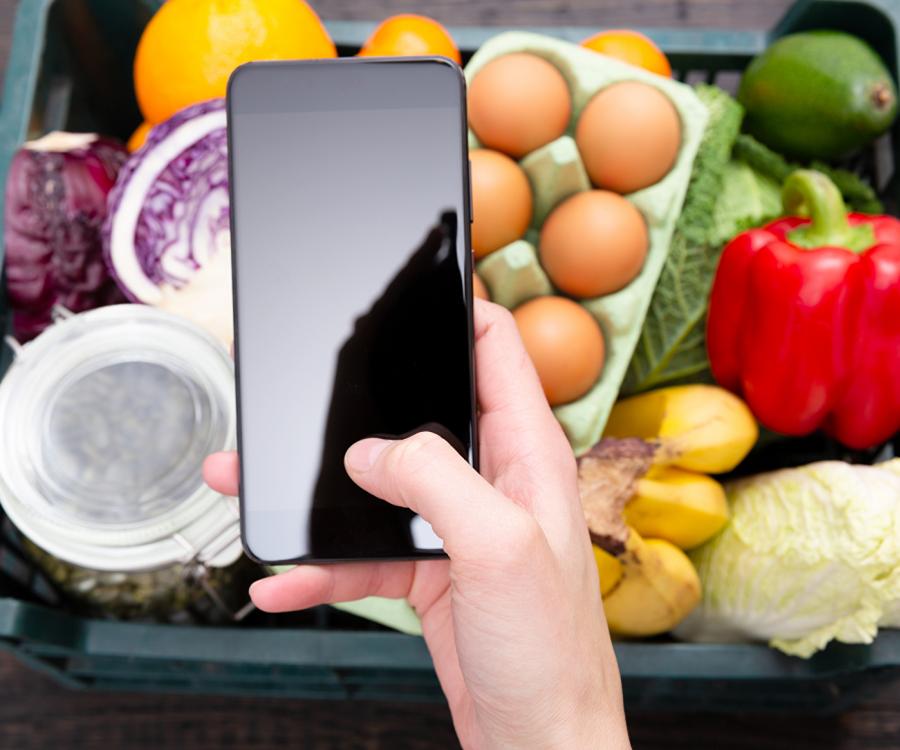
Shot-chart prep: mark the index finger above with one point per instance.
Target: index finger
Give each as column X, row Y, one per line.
column 507, row 380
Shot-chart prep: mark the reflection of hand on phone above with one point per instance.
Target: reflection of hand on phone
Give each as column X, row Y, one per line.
column 513, row 619
column 403, row 368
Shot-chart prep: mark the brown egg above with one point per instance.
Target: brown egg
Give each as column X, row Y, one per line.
column 479, row 289
column 517, row 103
column 565, row 343
column 628, row 135
column 501, row 201
column 593, row 243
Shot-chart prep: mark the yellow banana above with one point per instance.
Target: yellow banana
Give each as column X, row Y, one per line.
column 697, row 427
column 610, row 569
column 643, row 498
column 679, row 506
column 658, row 589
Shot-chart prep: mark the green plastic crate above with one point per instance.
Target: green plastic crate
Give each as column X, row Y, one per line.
column 70, row 68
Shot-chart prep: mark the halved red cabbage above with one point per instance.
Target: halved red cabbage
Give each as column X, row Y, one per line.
column 168, row 212
column 55, row 205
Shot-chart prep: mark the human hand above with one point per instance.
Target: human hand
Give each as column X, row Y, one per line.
column 513, row 620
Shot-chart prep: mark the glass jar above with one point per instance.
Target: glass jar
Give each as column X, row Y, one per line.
column 105, row 419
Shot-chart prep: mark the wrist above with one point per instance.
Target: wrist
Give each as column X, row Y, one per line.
column 602, row 727
column 588, row 735
column 605, row 734
column 599, row 727
column 596, row 717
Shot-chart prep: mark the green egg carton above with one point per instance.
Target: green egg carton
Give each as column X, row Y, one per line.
column 513, row 273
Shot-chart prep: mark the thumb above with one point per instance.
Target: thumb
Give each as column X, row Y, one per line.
column 425, row 474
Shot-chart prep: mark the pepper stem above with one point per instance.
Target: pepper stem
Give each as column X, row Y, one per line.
column 810, row 193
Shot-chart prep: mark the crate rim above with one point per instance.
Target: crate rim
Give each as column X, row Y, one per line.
column 65, row 633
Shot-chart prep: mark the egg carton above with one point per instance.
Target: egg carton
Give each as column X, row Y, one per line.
column 513, row 274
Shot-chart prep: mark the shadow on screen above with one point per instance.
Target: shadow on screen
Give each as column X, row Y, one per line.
column 398, row 373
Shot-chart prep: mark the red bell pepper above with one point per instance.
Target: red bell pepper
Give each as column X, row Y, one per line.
column 804, row 318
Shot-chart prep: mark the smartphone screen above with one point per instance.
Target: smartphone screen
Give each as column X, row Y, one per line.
column 352, row 291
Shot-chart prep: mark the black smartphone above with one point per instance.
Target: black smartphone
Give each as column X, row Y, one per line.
column 352, row 274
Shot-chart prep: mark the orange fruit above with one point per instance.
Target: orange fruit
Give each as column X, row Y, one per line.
column 409, row 35
column 190, row 47
column 631, row 47
column 138, row 137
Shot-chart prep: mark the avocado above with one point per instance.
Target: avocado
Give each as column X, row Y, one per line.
column 817, row 95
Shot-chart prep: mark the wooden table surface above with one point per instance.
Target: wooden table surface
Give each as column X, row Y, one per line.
column 36, row 713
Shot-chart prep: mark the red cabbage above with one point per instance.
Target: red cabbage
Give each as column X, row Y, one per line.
column 55, row 205
column 168, row 212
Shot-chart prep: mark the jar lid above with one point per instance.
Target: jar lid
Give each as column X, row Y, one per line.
column 105, row 419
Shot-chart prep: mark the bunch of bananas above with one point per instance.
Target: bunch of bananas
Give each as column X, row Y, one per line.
column 647, row 497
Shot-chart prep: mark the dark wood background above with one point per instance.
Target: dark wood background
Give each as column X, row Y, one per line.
column 36, row 713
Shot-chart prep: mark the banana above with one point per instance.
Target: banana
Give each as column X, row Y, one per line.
column 697, row 427
column 658, row 589
column 609, row 568
column 679, row 506
column 645, row 494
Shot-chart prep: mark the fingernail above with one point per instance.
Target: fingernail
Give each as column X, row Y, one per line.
column 361, row 456
column 258, row 593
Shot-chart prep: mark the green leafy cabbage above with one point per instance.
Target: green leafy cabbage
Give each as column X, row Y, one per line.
column 858, row 194
column 811, row 555
column 747, row 199
column 672, row 346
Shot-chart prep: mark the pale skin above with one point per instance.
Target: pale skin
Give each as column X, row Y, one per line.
column 513, row 619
